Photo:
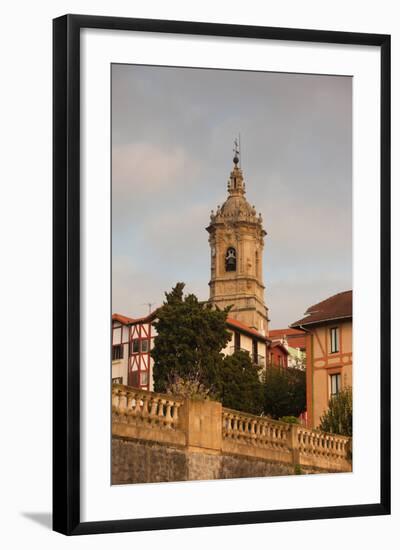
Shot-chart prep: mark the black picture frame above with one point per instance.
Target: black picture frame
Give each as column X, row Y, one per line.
column 66, row 273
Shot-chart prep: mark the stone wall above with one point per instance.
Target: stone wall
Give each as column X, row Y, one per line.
column 140, row 461
column 157, row 438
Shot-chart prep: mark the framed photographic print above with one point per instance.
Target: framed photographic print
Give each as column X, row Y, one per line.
column 221, row 274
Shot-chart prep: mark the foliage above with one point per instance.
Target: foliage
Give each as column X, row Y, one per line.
column 190, row 337
column 289, row 419
column 299, row 361
column 297, row 470
column 338, row 418
column 284, row 392
column 239, row 386
column 189, row 388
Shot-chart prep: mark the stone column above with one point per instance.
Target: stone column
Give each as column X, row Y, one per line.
column 203, row 424
column 293, row 443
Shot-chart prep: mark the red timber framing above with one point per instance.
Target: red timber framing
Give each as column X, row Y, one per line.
column 139, row 360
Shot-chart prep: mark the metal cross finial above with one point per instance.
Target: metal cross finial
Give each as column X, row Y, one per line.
column 236, row 147
column 149, row 305
column 236, row 151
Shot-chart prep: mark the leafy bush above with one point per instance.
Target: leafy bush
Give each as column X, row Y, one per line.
column 289, row 419
column 189, row 388
column 338, row 418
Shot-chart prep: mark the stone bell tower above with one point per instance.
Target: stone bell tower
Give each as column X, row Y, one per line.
column 237, row 242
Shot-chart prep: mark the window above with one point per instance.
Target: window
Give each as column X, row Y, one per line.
column 237, row 341
column 280, row 360
column 335, row 384
column 134, row 381
column 117, row 380
column 144, row 378
column 334, row 332
column 255, row 351
column 135, row 345
column 230, row 259
column 117, row 352
column 144, row 346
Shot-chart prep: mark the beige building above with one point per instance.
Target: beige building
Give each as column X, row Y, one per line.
column 329, row 351
column 237, row 243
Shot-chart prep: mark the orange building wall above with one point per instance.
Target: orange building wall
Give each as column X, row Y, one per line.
column 321, row 364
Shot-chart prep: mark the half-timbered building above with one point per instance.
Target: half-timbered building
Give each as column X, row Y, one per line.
column 132, row 340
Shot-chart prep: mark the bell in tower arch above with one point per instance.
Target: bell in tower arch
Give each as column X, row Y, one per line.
column 230, row 259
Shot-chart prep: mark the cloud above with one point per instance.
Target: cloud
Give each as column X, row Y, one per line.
column 172, row 135
column 147, row 168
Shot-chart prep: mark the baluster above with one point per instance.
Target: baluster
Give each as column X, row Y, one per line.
column 161, row 404
column 235, row 426
column 253, row 430
column 153, row 408
column 228, row 425
column 247, row 424
column 300, row 439
column 115, row 400
column 129, row 410
column 177, row 406
column 240, row 427
column 168, row 419
column 267, row 434
column 261, row 430
column 122, row 402
column 145, row 409
column 138, row 405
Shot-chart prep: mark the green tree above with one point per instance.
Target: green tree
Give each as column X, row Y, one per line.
column 338, row 418
column 239, row 386
column 190, row 337
column 284, row 392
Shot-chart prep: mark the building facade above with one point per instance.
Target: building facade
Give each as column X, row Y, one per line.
column 329, row 351
column 133, row 340
column 236, row 237
column 278, row 354
column 295, row 343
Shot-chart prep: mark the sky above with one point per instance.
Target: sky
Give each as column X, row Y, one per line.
column 172, row 141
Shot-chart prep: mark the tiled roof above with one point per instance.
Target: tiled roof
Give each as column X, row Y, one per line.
column 233, row 323
column 337, row 307
column 241, row 326
column 130, row 321
column 295, row 338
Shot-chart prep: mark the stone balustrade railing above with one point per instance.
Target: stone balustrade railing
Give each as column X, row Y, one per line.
column 131, row 405
column 305, row 445
column 163, row 418
column 255, row 430
column 313, row 443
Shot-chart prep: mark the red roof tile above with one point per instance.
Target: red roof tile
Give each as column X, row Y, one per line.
column 337, row 307
column 245, row 328
column 130, row 321
column 295, row 338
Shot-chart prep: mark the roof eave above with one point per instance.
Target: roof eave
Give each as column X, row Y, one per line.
column 300, row 325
